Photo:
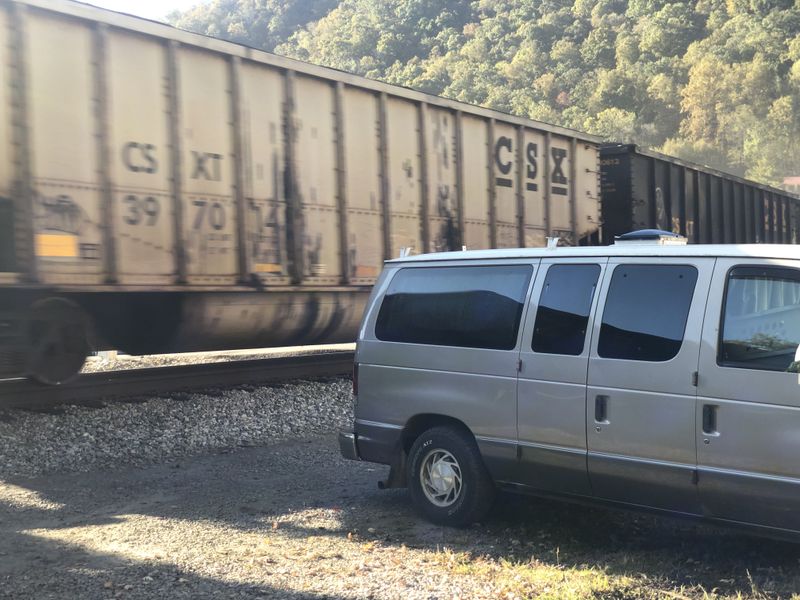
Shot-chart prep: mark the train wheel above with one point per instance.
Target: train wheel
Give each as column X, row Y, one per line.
column 57, row 341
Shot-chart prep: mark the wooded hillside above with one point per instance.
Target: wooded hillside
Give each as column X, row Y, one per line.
column 712, row 81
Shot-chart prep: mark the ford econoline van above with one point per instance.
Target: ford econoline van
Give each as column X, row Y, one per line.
column 649, row 373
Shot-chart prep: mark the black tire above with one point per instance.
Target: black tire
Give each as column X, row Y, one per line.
column 476, row 493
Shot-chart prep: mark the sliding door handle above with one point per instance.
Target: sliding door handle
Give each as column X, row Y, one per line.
column 601, row 409
column 710, row 419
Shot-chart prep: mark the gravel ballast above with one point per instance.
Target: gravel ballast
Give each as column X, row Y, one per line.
column 156, row 429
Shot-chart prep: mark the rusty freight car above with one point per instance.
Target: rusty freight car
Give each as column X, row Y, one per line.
column 164, row 191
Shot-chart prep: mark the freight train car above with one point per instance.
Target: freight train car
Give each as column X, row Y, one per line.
column 643, row 189
column 164, row 191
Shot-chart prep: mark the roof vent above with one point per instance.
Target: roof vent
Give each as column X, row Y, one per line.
column 656, row 237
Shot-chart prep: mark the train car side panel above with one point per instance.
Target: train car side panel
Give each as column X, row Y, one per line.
column 505, row 181
column 315, row 160
column 533, row 182
column 640, row 203
column 363, row 185
column 209, row 222
column 7, row 250
column 560, row 187
column 6, row 150
column 404, row 164
column 67, row 213
column 616, row 190
column 677, row 206
column 476, row 182
column 728, row 212
column 716, row 215
column 760, row 216
column 690, row 184
column 587, row 200
column 739, row 209
column 139, row 159
column 704, row 207
column 440, row 157
column 662, row 191
column 261, row 98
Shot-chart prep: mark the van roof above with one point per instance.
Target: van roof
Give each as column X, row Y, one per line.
column 790, row 251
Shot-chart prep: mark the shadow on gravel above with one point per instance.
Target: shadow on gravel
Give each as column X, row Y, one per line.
column 256, row 489
column 43, row 569
column 32, row 511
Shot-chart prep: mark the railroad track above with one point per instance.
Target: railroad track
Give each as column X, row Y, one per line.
column 90, row 388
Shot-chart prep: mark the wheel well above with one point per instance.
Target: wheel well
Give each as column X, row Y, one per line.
column 418, row 424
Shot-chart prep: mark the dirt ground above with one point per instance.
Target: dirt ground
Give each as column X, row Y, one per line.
column 294, row 520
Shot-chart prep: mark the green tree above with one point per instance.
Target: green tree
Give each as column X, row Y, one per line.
column 258, row 23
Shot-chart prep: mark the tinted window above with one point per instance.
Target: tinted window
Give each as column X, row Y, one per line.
column 646, row 311
column 761, row 319
column 474, row 307
column 563, row 312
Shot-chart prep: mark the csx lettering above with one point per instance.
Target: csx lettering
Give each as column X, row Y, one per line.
column 503, row 142
column 504, row 167
column 559, row 154
column 532, row 168
column 140, row 158
column 532, row 152
column 506, row 144
column 207, row 165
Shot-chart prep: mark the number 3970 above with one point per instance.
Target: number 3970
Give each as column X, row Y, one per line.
column 144, row 210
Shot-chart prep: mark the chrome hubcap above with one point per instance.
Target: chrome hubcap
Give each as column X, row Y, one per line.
column 440, row 477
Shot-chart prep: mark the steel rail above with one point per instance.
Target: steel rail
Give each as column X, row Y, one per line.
column 89, row 388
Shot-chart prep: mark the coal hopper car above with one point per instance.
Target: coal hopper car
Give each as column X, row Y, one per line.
column 642, row 189
column 164, row 191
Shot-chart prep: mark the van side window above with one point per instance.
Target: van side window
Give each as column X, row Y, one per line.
column 563, row 312
column 471, row 307
column 646, row 311
column 761, row 319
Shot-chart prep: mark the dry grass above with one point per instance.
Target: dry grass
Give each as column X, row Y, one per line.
column 540, row 549
column 517, row 578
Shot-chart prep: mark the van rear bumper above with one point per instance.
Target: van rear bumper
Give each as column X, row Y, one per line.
column 348, row 445
column 371, row 442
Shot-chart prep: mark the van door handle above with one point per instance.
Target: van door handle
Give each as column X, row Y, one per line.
column 710, row 419
column 601, row 409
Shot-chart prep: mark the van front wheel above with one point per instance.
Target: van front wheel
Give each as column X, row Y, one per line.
column 447, row 480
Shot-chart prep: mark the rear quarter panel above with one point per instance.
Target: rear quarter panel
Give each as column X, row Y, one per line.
column 398, row 381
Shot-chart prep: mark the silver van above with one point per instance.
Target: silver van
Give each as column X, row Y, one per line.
column 648, row 374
